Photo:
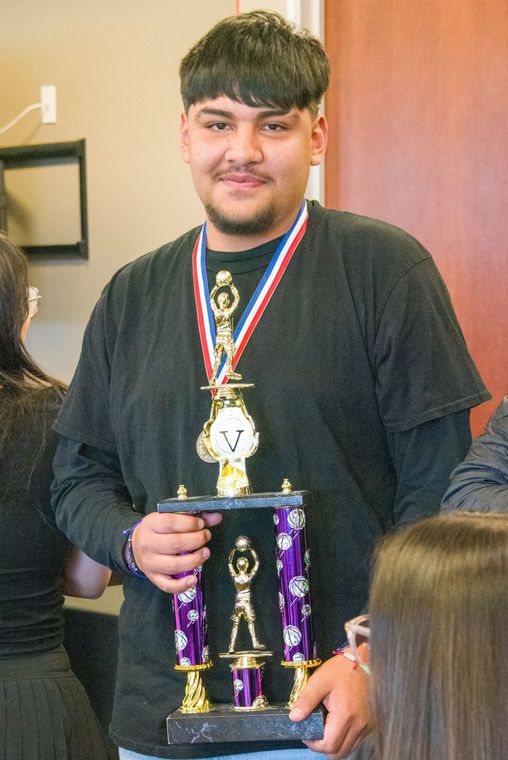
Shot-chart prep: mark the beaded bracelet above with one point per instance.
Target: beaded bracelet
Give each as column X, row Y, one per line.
column 129, row 554
column 352, row 658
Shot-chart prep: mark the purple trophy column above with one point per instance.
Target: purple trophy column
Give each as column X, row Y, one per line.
column 190, row 623
column 247, row 688
column 294, row 598
column 190, row 616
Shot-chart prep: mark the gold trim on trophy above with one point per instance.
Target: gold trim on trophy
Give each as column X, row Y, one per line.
column 301, row 677
column 188, row 668
column 195, row 699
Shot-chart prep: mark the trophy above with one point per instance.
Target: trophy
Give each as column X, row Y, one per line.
column 229, row 437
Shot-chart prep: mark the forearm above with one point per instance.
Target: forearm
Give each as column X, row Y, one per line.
column 91, row 503
column 481, row 481
column 84, row 577
column 423, row 458
column 468, row 492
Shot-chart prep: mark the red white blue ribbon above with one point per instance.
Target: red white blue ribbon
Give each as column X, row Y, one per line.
column 257, row 304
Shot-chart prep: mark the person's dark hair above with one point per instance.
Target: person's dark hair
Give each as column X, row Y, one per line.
column 21, row 379
column 438, row 645
column 256, row 58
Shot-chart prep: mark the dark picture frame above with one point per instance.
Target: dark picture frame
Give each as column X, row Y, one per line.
column 49, row 154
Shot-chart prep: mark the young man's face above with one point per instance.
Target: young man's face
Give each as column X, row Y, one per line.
column 250, row 167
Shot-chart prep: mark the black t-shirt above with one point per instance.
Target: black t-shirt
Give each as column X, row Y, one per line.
column 362, row 379
column 32, row 550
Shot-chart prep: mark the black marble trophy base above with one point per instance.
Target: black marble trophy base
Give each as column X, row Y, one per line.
column 224, row 724
column 226, row 503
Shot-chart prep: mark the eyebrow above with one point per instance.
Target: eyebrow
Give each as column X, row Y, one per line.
column 261, row 115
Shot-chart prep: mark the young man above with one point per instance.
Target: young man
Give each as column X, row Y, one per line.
column 362, row 389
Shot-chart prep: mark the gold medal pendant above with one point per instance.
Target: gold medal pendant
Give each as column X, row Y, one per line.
column 202, row 449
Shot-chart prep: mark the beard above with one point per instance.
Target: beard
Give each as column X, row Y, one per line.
column 262, row 221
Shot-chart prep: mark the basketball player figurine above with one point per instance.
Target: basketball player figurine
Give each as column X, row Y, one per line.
column 243, row 572
column 223, row 311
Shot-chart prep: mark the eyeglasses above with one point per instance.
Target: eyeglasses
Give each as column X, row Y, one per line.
column 33, row 301
column 358, row 633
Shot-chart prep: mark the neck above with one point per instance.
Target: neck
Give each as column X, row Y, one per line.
column 227, row 243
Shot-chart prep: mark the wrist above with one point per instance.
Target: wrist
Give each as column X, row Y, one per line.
column 346, row 652
column 128, row 552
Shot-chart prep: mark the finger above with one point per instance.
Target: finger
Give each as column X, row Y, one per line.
column 173, row 564
column 334, row 736
column 310, row 698
column 146, row 544
column 341, row 735
column 173, row 543
column 172, row 585
column 351, row 742
column 171, row 522
column 337, row 751
column 211, row 518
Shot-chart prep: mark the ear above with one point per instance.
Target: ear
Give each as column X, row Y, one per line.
column 184, row 138
column 24, row 329
column 319, row 138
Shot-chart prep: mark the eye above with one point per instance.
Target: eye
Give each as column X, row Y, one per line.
column 274, row 127
column 219, row 126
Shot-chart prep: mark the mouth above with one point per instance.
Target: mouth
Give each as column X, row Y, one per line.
column 241, row 181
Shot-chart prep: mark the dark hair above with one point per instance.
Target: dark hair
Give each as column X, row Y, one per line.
column 21, row 379
column 256, row 58
column 438, row 646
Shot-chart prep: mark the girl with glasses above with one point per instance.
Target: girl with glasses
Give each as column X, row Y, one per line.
column 44, row 710
column 438, row 644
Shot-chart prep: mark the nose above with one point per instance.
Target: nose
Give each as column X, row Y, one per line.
column 244, row 146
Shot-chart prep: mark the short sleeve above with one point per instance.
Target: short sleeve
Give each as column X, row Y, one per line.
column 422, row 365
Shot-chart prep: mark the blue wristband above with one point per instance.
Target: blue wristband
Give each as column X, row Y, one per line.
column 129, row 554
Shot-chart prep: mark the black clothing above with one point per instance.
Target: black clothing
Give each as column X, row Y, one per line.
column 32, row 550
column 45, row 713
column 362, row 386
column 480, row 482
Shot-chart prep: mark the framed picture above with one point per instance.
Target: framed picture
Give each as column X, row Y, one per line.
column 43, row 204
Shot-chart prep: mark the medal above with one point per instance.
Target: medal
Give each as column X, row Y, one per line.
column 202, row 449
column 257, row 304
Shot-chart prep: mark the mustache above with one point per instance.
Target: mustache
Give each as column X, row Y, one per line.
column 241, row 174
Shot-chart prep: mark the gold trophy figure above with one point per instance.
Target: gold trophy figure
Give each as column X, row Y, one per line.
column 223, row 311
column 229, row 436
column 243, row 573
column 247, row 665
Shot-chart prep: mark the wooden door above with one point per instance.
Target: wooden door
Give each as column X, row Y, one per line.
column 418, row 112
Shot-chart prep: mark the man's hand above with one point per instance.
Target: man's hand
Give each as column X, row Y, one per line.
column 342, row 689
column 165, row 544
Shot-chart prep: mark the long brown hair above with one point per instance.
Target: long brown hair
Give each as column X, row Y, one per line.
column 21, row 378
column 439, row 645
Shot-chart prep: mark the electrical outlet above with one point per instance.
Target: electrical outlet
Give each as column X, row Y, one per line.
column 48, row 104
